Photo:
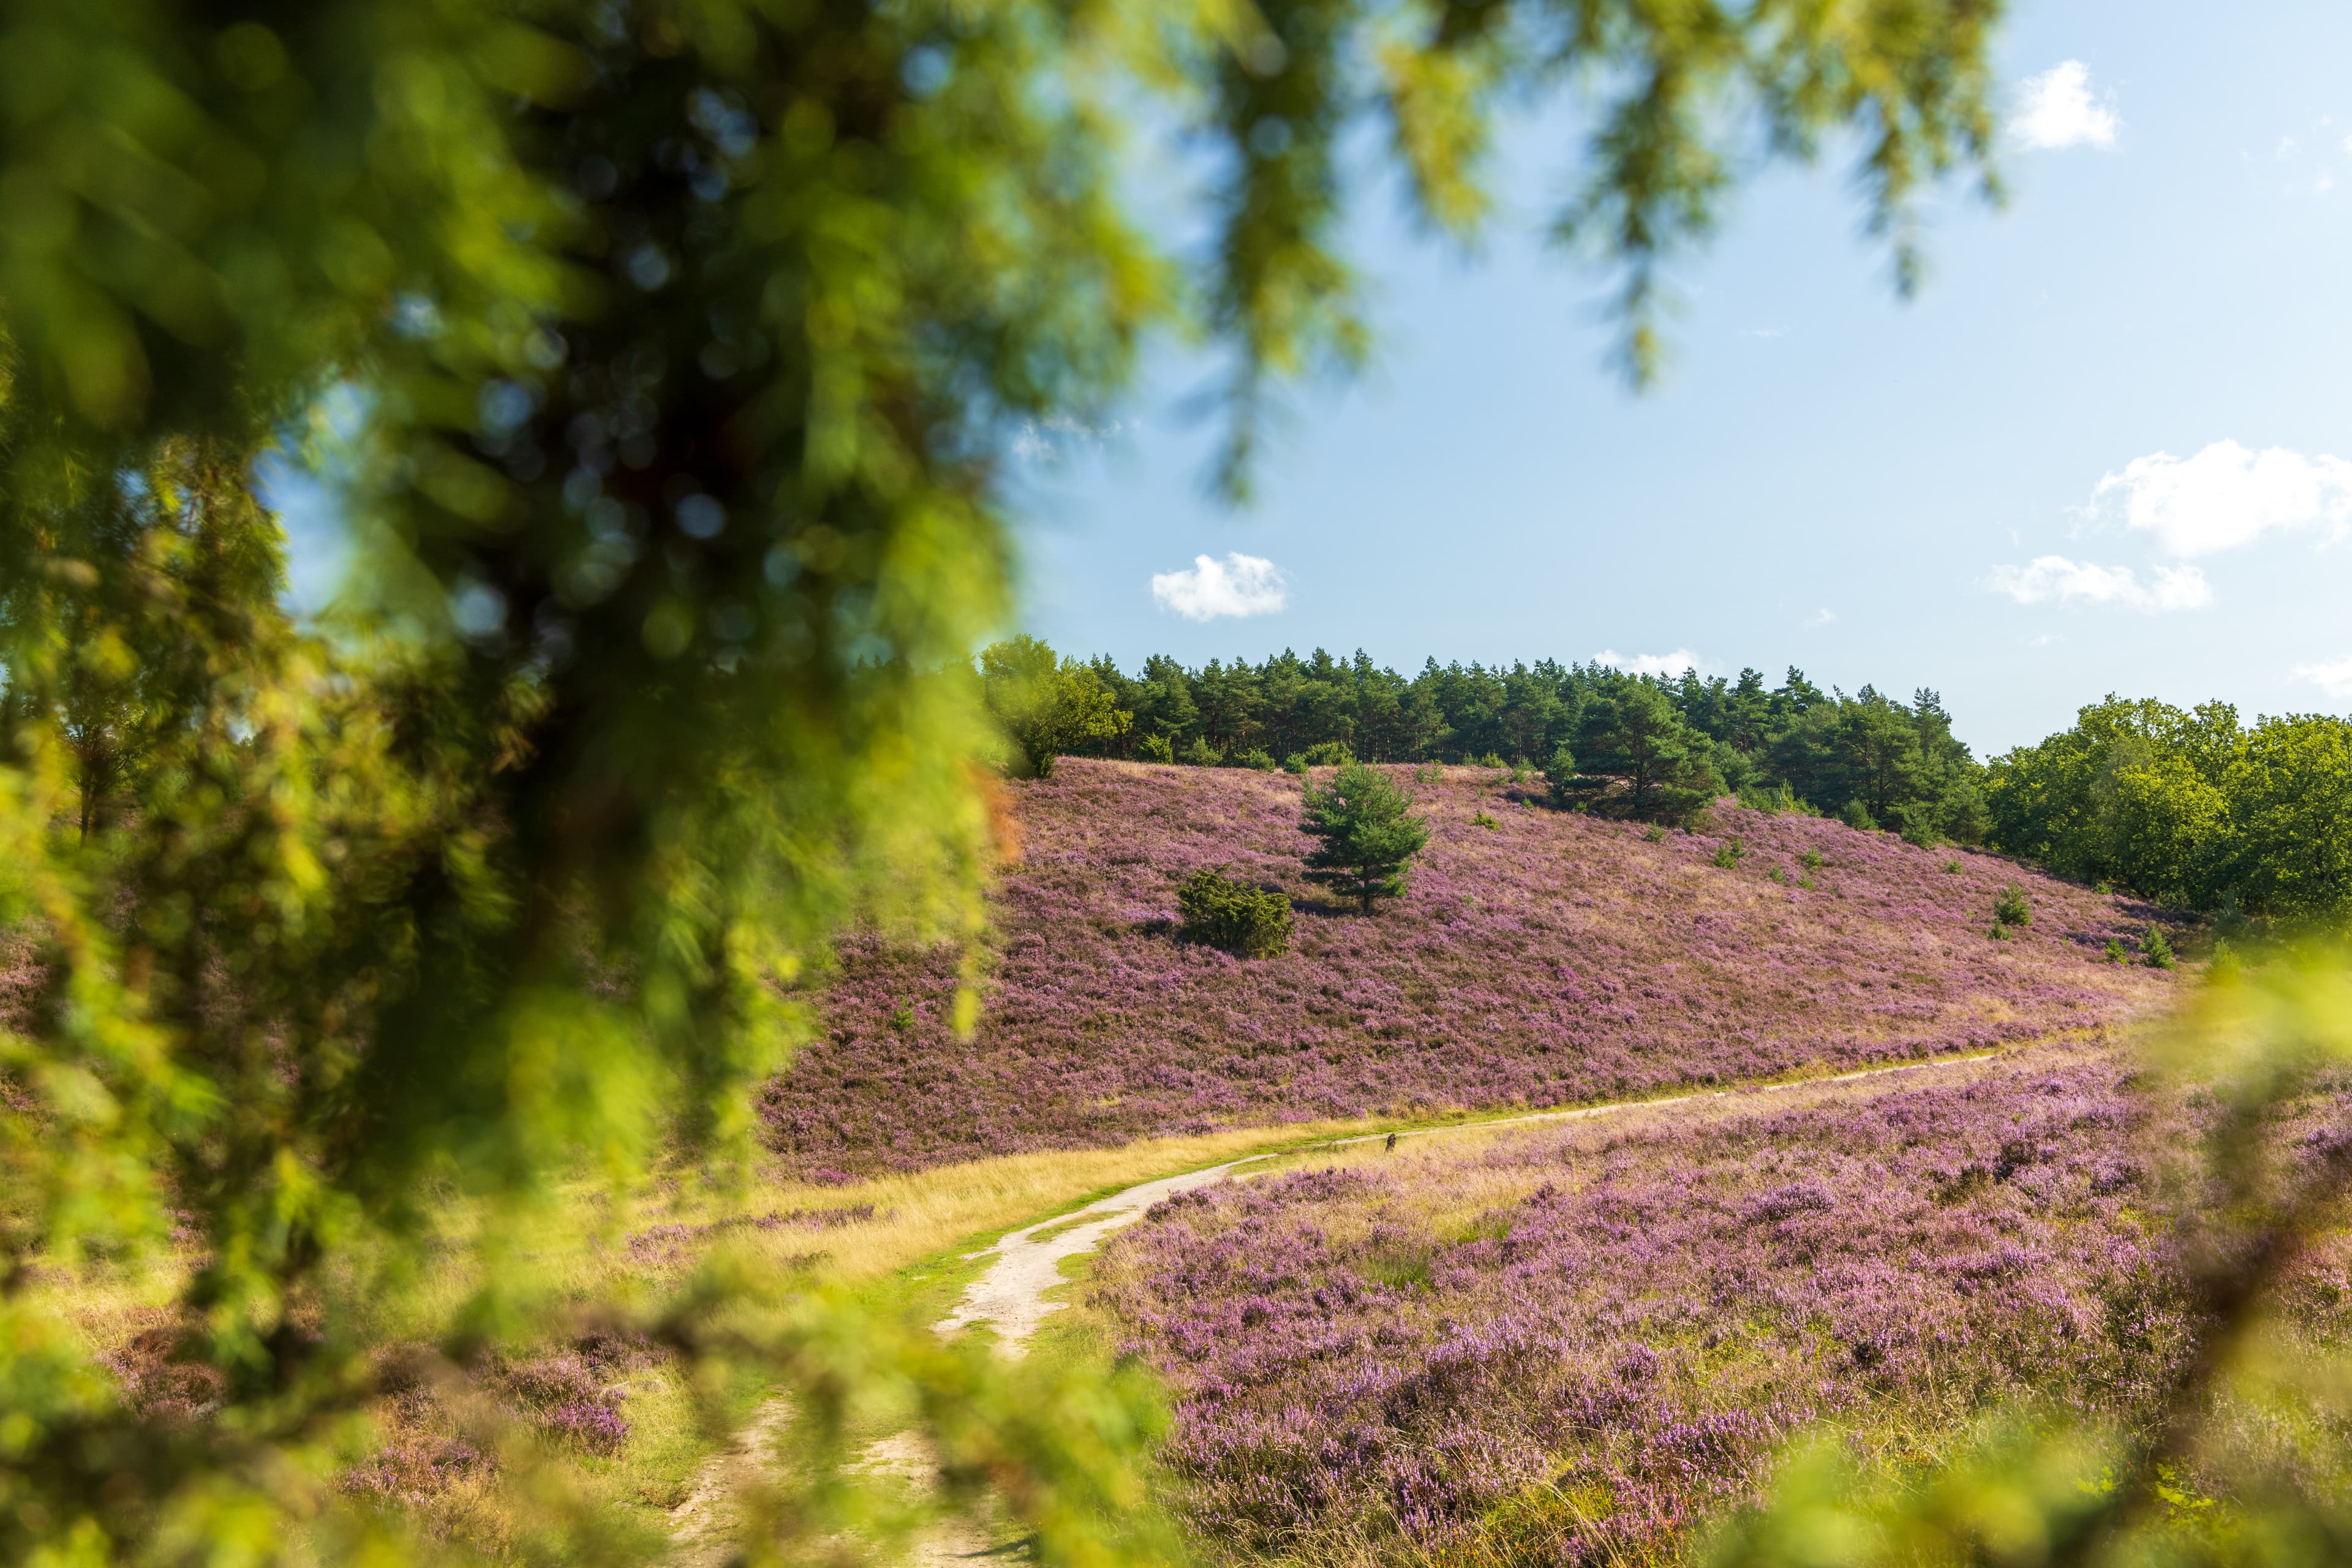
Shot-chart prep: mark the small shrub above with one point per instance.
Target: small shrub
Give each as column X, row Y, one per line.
column 1777, row 875
column 902, row 1017
column 1328, row 754
column 2011, row 909
column 2000, row 932
column 1857, row 816
column 2227, row 968
column 2158, row 949
column 1951, row 868
column 1246, row 922
column 1295, row 764
column 1199, row 755
column 1492, row 759
column 2117, row 953
column 1731, row 854
column 2102, row 887
column 1806, row 883
column 1480, row 819
column 1812, row 859
column 1158, row 749
column 1657, row 834
column 1777, row 801
column 1258, row 758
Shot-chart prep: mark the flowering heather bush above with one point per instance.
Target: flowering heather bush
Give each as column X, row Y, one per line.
column 1570, row 1345
column 1555, row 959
column 413, row 1472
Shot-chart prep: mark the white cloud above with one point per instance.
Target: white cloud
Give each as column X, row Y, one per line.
column 1673, row 663
column 1237, row 585
column 2288, row 147
column 2055, row 111
column 2053, row 578
column 2335, row 679
column 2226, row 496
column 1821, row 617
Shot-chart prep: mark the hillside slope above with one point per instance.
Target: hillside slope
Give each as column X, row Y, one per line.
column 1548, row 960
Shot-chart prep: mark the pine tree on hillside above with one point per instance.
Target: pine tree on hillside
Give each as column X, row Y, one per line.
column 1368, row 834
column 1635, row 734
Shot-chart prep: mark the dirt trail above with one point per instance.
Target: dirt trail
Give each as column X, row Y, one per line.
column 1010, row 1296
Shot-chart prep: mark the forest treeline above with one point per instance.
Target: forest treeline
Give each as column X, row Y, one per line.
column 2192, row 808
column 1869, row 758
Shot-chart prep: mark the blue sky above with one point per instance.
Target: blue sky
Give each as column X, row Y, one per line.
column 2105, row 448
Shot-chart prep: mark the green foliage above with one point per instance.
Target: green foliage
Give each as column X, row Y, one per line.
column 1366, row 834
column 2158, row 948
column 1296, row 764
column 1776, row 749
column 1730, row 853
column 1328, row 754
column 1244, row 921
column 1653, row 834
column 1483, row 818
column 1156, row 749
column 2011, row 908
column 1635, row 734
column 1261, row 760
column 2117, row 953
column 2189, row 808
column 1046, row 706
column 1777, row 875
column 1199, row 754
column 1856, row 815
column 1951, row 868
column 1812, row 859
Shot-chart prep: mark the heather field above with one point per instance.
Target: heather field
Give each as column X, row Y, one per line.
column 1545, row 959
column 1572, row 1345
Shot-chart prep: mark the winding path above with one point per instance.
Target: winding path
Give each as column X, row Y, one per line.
column 1010, row 1294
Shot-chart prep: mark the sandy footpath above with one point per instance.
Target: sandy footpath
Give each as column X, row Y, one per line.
column 1011, row 1296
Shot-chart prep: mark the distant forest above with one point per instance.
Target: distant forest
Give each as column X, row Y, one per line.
column 2193, row 808
column 1868, row 757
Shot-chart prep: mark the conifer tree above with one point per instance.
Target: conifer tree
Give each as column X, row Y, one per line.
column 1366, row 834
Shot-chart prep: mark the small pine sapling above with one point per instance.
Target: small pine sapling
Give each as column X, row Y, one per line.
column 2117, row 953
column 1366, row 833
column 1812, row 859
column 903, row 1017
column 1657, row 834
column 1158, row 749
column 1951, row 867
column 1777, row 875
column 1481, row 819
column 2158, row 948
column 1731, row 854
column 2011, row 910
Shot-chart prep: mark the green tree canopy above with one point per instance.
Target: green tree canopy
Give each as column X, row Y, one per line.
column 1365, row 831
column 1046, row 705
column 1634, row 733
column 2189, row 806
